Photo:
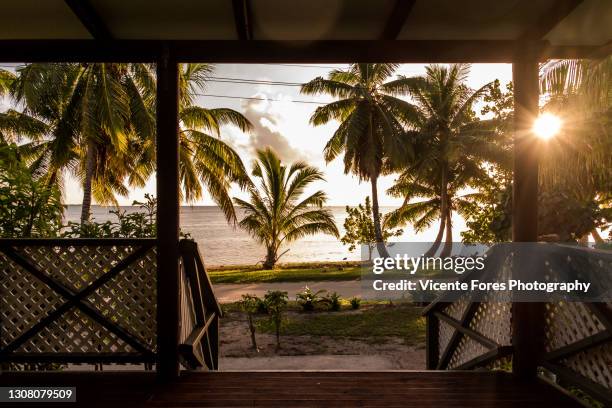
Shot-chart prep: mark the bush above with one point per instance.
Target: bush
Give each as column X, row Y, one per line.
column 29, row 205
column 276, row 301
column 307, row 298
column 250, row 304
column 333, row 300
column 355, row 303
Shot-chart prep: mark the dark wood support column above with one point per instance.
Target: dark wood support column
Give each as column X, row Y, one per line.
column 167, row 218
column 527, row 318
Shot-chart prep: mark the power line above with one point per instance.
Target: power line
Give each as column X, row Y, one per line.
column 252, row 81
column 255, row 98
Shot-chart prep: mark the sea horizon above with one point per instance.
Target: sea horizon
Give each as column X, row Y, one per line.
column 225, row 244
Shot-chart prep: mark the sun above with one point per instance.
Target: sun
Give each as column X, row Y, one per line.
column 547, row 126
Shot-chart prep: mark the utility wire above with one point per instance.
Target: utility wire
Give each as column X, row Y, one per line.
column 255, row 98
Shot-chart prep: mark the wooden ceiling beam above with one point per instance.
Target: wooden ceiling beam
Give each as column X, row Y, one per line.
column 400, row 51
column 90, row 19
column 397, row 19
column 243, row 19
column 548, row 21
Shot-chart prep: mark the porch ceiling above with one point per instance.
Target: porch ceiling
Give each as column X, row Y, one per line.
column 562, row 22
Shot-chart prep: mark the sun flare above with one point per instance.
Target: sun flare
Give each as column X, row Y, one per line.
column 547, row 126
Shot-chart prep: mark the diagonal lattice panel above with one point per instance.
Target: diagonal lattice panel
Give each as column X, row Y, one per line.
column 75, row 332
column 129, row 299
column 24, row 300
column 123, row 298
column 594, row 363
column 75, row 267
column 567, row 323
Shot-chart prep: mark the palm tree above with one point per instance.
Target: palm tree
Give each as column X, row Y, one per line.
column 93, row 127
column 276, row 213
column 372, row 120
column 421, row 214
column 100, row 121
column 450, row 143
column 580, row 92
column 204, row 158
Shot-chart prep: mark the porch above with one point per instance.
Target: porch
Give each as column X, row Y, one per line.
column 303, row 389
column 149, row 302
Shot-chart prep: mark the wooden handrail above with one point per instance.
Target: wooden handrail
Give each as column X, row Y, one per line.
column 200, row 348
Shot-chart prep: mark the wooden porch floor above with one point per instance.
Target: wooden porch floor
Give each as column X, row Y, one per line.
column 299, row 389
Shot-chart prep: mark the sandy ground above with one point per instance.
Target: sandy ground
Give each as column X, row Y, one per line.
column 231, row 292
column 313, row 352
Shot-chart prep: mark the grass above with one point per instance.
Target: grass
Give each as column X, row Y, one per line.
column 305, row 272
column 373, row 322
column 295, row 272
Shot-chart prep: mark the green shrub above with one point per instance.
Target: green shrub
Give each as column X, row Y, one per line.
column 355, row 303
column 29, row 205
column 333, row 300
column 276, row 301
column 307, row 298
column 250, row 304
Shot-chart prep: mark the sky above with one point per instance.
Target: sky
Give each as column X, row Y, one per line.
column 283, row 124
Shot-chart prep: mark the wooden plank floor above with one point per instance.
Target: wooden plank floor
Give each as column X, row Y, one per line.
column 299, row 389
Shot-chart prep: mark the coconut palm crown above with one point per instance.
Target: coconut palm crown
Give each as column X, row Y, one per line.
column 276, row 213
column 372, row 123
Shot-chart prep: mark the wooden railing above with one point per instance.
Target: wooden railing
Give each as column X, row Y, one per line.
column 200, row 312
column 95, row 301
column 77, row 301
column 466, row 334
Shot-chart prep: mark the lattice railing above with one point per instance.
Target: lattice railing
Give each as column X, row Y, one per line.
column 78, row 300
column 464, row 334
column 578, row 336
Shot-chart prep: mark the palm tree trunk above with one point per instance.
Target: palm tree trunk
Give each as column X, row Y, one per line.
column 448, row 243
column 436, row 244
column 598, row 239
column 270, row 259
column 90, row 161
column 380, row 243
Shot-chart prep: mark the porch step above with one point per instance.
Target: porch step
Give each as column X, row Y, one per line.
column 302, row 389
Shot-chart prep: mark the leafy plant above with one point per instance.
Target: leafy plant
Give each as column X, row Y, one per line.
column 249, row 304
column 276, row 301
column 333, row 300
column 359, row 228
column 28, row 206
column 355, row 303
column 307, row 298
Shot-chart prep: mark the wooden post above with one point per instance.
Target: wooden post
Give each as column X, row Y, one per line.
column 527, row 318
column 432, row 332
column 167, row 217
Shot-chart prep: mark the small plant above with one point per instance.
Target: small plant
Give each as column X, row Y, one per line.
column 333, row 300
column 249, row 304
column 307, row 298
column 355, row 303
column 262, row 306
column 277, row 302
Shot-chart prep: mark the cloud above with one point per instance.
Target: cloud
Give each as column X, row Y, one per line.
column 266, row 134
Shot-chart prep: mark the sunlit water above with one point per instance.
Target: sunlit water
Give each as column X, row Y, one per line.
column 222, row 244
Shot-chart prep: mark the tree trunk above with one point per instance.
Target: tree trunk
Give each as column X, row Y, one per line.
column 598, row 239
column 278, row 323
column 90, row 162
column 380, row 243
column 270, row 261
column 448, row 243
column 252, row 330
column 436, row 244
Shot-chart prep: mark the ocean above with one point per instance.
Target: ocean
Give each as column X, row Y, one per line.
column 222, row 244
